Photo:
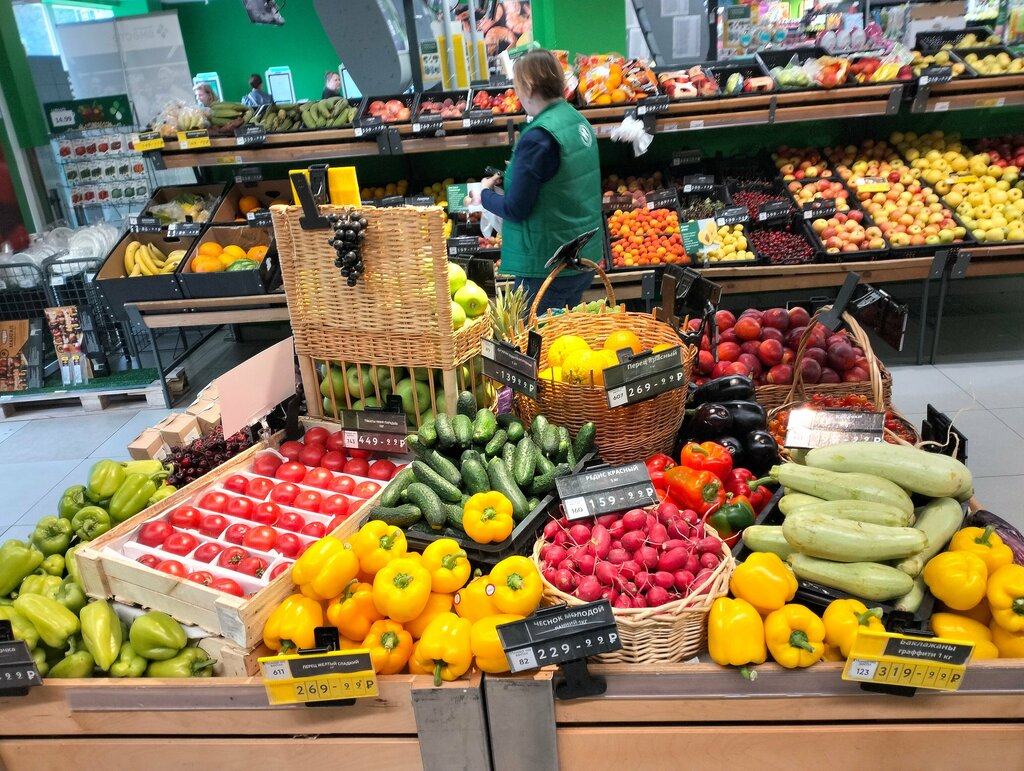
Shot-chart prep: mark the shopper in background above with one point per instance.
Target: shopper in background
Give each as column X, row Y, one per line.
column 256, row 97
column 332, row 84
column 204, row 94
column 552, row 186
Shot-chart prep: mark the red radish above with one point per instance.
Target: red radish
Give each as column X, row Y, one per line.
column 550, row 529
column 656, row 596
column 709, row 560
column 701, row 581
column 677, row 543
column 616, row 544
column 709, row 545
column 634, row 519
column 691, row 516
column 683, row 579
column 692, row 563
column 664, row 579
column 549, row 574
column 639, row 602
column 605, row 572
column 644, row 580
column 561, row 537
column 673, row 560
column 589, row 589
column 657, row 535
column 680, row 528
column 629, row 569
column 579, row 533
column 633, row 540
column 587, row 563
column 667, row 511
column 622, row 602
column 565, row 580
column 610, row 594
column 553, row 553
column 608, row 520
column 618, row 556
column 616, row 529
column 600, row 541
column 647, row 556
column 652, row 519
column 568, row 564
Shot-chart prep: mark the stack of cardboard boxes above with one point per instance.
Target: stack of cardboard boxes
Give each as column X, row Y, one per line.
column 179, row 428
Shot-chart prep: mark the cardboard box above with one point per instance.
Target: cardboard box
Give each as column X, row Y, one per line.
column 207, row 413
column 14, row 363
column 149, row 445
column 268, row 192
column 180, row 430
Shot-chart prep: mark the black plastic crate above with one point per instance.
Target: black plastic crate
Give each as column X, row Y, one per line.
column 705, row 68
column 922, row 250
column 440, row 96
column 231, row 283
column 491, row 91
column 929, row 42
column 364, row 120
column 119, row 289
column 861, row 255
column 780, row 58
column 795, row 224
column 752, row 69
column 960, row 54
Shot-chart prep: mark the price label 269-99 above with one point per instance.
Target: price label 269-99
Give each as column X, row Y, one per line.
column 644, row 377
column 296, row 679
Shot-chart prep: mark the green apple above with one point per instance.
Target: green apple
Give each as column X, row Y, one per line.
column 456, row 278
column 473, row 299
column 458, row 316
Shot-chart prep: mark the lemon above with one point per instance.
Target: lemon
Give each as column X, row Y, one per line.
column 563, row 346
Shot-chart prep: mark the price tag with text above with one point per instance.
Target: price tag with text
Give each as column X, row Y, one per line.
column 643, row 377
column 686, row 157
column 558, row 634
column 820, row 208
column 606, row 491
column 369, row 125
column 698, row 183
column 429, row 124
column 892, row 659
column 463, row 245
column 141, row 223
column 375, row 430
column 250, row 135
column 508, row 366
column 17, row 668
column 663, row 199
column 652, row 104
column 193, row 140
column 147, row 140
column 936, row 74
column 733, row 215
column 296, row 679
column 773, row 210
column 478, row 119
column 258, row 219
column 809, row 428
column 871, row 184
column 249, row 174
column 184, row 229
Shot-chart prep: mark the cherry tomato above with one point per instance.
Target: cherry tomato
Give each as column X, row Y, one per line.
column 342, row 484
column 311, row 455
column 213, row 525
column 308, row 500
column 284, row 493
column 155, row 533
column 149, row 560
column 236, row 533
column 292, row 471
column 187, row 517
column 357, row 467
column 214, row 501
column 172, row 567
column 259, row 488
column 336, row 442
column 252, row 566
column 382, row 470
column 360, row 453
column 231, row 556
column 333, row 460
column 180, row 543
column 203, row 577
column 366, row 490
column 318, row 477
column 207, row 551
column 242, row 508
column 315, row 529
column 228, row 586
column 266, row 513
column 316, row 435
column 291, row 449
column 283, row 567
column 260, row 538
column 236, row 483
column 289, row 520
column 266, row 464
column 288, row 544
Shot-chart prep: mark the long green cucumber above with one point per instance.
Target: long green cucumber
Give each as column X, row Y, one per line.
column 444, row 489
column 790, row 502
column 584, row 441
column 427, row 434
column 445, row 432
column 391, row 495
column 497, row 441
column 515, row 430
column 502, row 480
column 938, row 520
column 428, row 502
column 402, row 516
column 860, row 511
column 453, row 514
column 927, row 473
column 867, row 580
column 844, row 540
column 524, row 463
column 474, row 477
column 442, row 466
column 767, row 538
column 484, row 427
column 508, row 454
column 837, row 486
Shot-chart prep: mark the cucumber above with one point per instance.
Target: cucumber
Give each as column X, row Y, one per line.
column 428, row 502
column 420, row 527
column 939, row 520
column 484, row 427
column 427, row 434
column 447, row 470
column 867, row 580
column 844, row 540
column 445, row 432
column 444, row 489
column 837, row 486
column 537, row 428
column 767, row 538
column 516, row 431
column 544, row 466
column 472, row 454
column 392, row 493
column 524, row 463
column 584, row 441
column 860, row 511
column 474, row 477
column 416, row 447
column 533, row 503
column 397, row 516
column 549, row 441
column 497, row 442
column 911, row 601
column 452, row 515
column 506, row 419
column 508, row 454
column 790, row 502
column 570, row 457
column 501, row 480
column 564, row 444
column 544, row 483
column 927, row 473
column 463, row 428
column 466, row 404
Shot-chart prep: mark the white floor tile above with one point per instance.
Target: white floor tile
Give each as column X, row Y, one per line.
column 1014, row 418
column 1002, row 496
column 914, row 388
column 62, row 438
column 27, row 483
column 115, row 446
column 993, row 449
column 995, row 385
column 9, row 428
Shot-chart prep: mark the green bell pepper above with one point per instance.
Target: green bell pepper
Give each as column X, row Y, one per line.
column 71, row 595
column 90, row 522
column 53, row 565
column 101, row 632
column 17, row 560
column 164, row 491
column 71, row 501
column 71, row 565
column 105, row 478
column 156, row 636
column 52, row 535
column 53, row 621
column 74, row 665
column 732, row 516
column 131, row 497
column 44, row 585
column 191, row 662
column 22, row 627
column 39, row 657
column 129, row 663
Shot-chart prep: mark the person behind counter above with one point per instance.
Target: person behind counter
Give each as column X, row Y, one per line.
column 332, row 84
column 204, row 94
column 257, row 97
column 552, row 186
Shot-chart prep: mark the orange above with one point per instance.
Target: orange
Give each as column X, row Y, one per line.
column 230, row 254
column 662, row 347
column 206, row 263
column 623, row 338
column 257, row 253
column 210, row 249
column 248, row 203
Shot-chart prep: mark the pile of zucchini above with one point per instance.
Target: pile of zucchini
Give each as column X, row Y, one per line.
column 850, row 523
column 475, row 452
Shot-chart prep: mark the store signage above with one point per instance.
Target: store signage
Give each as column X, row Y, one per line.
column 559, row 634
column 249, row 174
column 145, row 141
column 463, row 245
column 374, row 430
column 143, row 223
column 885, row 658
column 509, row 366
column 420, row 200
column 184, row 229
column 17, row 669
column 82, row 114
column 809, row 428
column 644, row 376
column 871, row 184
column 298, row 679
column 606, row 491
column 773, row 210
column 250, row 135
column 617, row 202
column 964, row 177
column 876, row 309
column 821, row 207
column 663, row 199
column 193, row 140
column 429, row 124
column 391, row 201
column 259, row 219
column 698, row 183
column 478, row 119
column 935, row 75
column 652, row 104
column 369, row 125
column 732, row 215
column 686, row 157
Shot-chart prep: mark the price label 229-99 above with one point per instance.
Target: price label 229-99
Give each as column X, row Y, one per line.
column 557, row 634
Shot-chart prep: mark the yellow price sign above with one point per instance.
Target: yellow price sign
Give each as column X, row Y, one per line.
column 147, row 140
column 965, row 178
column 193, row 140
column 296, row 679
column 871, row 184
column 887, row 658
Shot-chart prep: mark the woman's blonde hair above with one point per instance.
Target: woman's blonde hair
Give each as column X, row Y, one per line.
column 204, row 87
column 539, row 73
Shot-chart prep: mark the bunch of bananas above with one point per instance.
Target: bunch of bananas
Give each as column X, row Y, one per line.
column 327, row 113
column 225, row 113
column 191, row 118
column 147, row 260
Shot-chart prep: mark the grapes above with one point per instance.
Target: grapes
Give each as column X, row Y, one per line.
column 349, row 232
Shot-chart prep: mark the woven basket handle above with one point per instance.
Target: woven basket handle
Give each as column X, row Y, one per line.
column 554, row 274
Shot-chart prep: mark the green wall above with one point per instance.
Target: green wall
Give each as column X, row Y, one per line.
column 580, row 26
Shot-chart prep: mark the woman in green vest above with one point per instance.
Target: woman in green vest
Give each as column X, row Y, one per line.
column 552, row 186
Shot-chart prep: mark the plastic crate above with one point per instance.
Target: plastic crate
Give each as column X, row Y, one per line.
column 22, row 291
column 753, row 69
column 960, row 55
column 929, row 42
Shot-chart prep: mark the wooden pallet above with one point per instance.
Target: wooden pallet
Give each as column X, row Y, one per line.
column 58, row 403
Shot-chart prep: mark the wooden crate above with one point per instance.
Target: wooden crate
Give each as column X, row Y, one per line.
column 233, row 660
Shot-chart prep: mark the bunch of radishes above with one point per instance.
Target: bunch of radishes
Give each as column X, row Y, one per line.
column 644, row 558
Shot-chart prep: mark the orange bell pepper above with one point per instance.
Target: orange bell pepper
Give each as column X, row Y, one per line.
column 390, row 647
column 353, row 612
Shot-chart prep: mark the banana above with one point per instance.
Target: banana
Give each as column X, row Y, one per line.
column 171, row 266
column 136, row 271
column 129, row 257
column 144, row 264
column 156, row 256
column 308, row 120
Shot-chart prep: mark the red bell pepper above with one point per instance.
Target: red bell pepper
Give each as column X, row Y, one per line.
column 743, row 482
column 657, row 464
column 708, row 456
column 693, row 489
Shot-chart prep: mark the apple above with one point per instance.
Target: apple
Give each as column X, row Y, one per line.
column 458, row 315
column 472, row 298
column 456, row 278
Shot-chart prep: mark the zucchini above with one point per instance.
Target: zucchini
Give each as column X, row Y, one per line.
column 392, row 493
column 428, row 502
column 911, row 601
column 484, row 427
column 767, row 538
column 453, row 515
column 564, row 444
column 549, row 441
column 524, row 463
column 844, row 540
column 501, row 480
column 860, row 511
column 428, row 434
column 466, row 405
column 402, row 516
column 927, row 473
column 837, row 486
column 442, row 466
column 463, row 428
column 939, row 520
column 867, row 580
column 537, row 428
column 496, row 443
column 508, row 454
column 445, row 432
column 516, row 431
column 474, row 477
column 790, row 502
column 584, row 441
column 427, row 476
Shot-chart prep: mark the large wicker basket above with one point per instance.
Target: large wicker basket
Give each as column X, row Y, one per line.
column 624, row 433
column 669, row 633
column 398, row 314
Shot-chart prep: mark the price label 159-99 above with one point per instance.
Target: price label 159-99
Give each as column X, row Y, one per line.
column 606, row 491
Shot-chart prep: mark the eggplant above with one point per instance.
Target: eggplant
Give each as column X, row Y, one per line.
column 761, row 451
column 735, row 448
column 746, row 416
column 708, row 421
column 723, row 389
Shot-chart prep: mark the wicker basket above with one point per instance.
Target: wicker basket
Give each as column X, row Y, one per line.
column 669, row 633
column 398, row 314
column 888, row 434
column 624, row 433
column 878, row 387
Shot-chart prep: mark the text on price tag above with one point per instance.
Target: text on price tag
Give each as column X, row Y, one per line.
column 914, row 662
column 823, row 208
column 148, row 140
column 193, row 140
column 606, row 491
column 773, row 210
column 250, row 135
column 559, row 634
column 698, row 183
column 808, row 428
column 295, row 679
column 504, row 364
column 644, row 377
column 17, row 668
column 374, row 430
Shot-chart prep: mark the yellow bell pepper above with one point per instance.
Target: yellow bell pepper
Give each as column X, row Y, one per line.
column 401, row 590
column 353, row 612
column 843, row 618
column 486, row 645
column 735, row 633
column 980, row 612
column 476, row 601
column 487, row 517
column 517, row 586
column 376, row 544
column 449, row 568
column 832, row 653
column 325, row 568
column 292, row 623
column 1006, row 597
column 444, row 650
column 984, row 543
column 954, row 627
column 1009, row 644
column 763, row 580
column 795, row 636
column 390, row 647
column 437, row 604
column 957, row 578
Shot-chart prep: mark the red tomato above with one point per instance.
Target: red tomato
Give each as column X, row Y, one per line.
column 228, row 586
column 207, row 551
column 284, row 493
column 259, row 488
column 315, row 529
column 289, row 544
column 336, row 522
column 155, row 533
column 172, row 567
column 318, row 477
column 311, row 454
column 316, row 435
column 357, row 467
column 261, row 538
column 336, row 442
column 333, row 460
column 188, row 517
column 382, row 469
column 366, row 489
column 180, row 543
column 266, row 464
column 335, row 505
column 236, row 483
column 291, row 521
column 236, row 533
column 213, row 525
column 342, row 484
column 291, row 449
column 241, row 508
column 252, row 566
column 308, row 500
column 231, row 556
column 284, row 566
column 292, row 471
column 203, row 577
column 360, row 453
column 214, row 501
column 266, row 513
column 149, row 560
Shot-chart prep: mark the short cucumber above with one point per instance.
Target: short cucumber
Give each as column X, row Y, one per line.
column 508, row 454
column 584, row 441
column 452, row 515
column 472, row 454
column 544, row 466
column 466, row 405
column 484, row 427
column 392, row 493
column 515, row 431
column 767, row 538
column 790, row 502
column 428, row 502
column 420, row 527
column 564, row 444
column 549, row 441
column 867, row 580
column 939, row 520
column 927, row 473
column 844, row 540
column 524, row 463
column 397, row 516
column 537, row 428
column 444, row 489
column 861, row 511
column 496, row 443
column 428, row 434
column 544, row 483
column 837, row 486
column 570, row 456
column 506, row 419
column 474, row 477
column 463, row 428
column 442, row 466
column 445, row 432
column 501, row 480
column 533, row 503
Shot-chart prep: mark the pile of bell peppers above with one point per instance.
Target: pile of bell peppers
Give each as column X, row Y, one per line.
column 425, row 613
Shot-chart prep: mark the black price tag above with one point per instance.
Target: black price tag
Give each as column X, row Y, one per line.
column 821, row 207
column 17, row 668
column 463, row 245
column 141, row 223
column 732, row 215
column 419, row 200
column 663, row 199
column 773, row 210
column 478, row 119
column 250, row 135
column 876, row 309
column 429, row 125
column 248, row 175
column 686, row 157
column 935, row 75
column 369, row 125
column 652, row 104
column 258, row 219
column 374, row 430
column 184, row 229
column 698, row 183
column 644, row 377
column 809, row 428
column 617, row 202
column 558, row 634
column 606, row 491
column 504, row 364
column 392, row 201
